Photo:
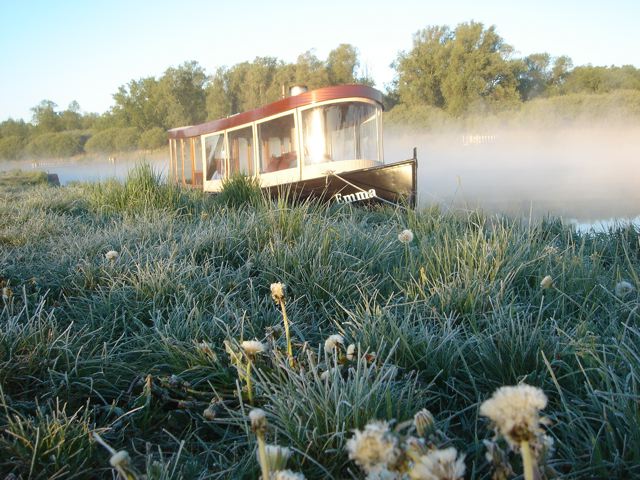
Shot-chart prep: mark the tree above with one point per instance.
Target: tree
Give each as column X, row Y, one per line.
column 218, row 101
column 542, row 75
column 45, row 117
column 534, row 79
column 342, row 63
column 71, row 118
column 310, row 71
column 14, row 128
column 140, row 104
column 183, row 90
column 457, row 70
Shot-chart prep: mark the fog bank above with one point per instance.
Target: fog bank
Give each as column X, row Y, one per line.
column 582, row 173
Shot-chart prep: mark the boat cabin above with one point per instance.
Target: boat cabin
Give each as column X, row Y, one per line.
column 308, row 135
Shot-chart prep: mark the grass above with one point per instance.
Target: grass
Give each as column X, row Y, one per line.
column 133, row 348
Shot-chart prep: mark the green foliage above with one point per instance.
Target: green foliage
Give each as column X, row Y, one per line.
column 45, row 118
column 240, row 190
column 250, row 85
column 139, row 104
column 126, row 139
column 591, row 79
column 183, row 91
column 417, row 117
column 17, row 128
column 113, row 140
column 152, row 139
column 457, row 70
column 58, row 144
column 11, row 147
column 102, row 141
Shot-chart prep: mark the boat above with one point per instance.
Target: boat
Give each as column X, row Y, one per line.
column 324, row 143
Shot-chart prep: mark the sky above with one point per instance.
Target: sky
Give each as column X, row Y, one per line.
column 84, row 50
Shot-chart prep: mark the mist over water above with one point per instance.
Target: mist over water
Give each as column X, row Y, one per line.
column 583, row 174
column 88, row 169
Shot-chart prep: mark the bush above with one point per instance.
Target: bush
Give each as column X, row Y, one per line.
column 126, row 139
column 57, row 144
column 152, row 139
column 417, row 116
column 113, row 140
column 11, row 147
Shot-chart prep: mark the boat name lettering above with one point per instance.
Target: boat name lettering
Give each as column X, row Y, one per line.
column 354, row 197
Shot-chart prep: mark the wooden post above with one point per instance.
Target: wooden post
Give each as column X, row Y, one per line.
column 182, row 154
column 193, row 160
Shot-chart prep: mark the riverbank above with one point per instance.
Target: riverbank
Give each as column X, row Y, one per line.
column 133, row 346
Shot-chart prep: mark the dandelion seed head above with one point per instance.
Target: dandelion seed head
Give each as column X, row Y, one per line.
column 623, row 289
column 546, row 282
column 277, row 291
column 405, row 236
column 287, row 475
column 206, row 348
column 351, row 352
column 382, row 473
column 252, row 347
column 438, row 465
column 7, row 293
column 277, row 456
column 258, row 419
column 327, row 374
column 515, row 412
column 119, row 459
column 331, row 343
column 111, row 255
column 373, row 446
column 209, row 413
column 423, row 421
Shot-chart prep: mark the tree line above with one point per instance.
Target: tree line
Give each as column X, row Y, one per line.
column 454, row 72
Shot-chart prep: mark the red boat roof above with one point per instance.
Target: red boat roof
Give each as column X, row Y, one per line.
column 308, row 98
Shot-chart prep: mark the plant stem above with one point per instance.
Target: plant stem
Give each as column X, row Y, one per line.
column 527, row 460
column 286, row 332
column 248, row 379
column 262, row 453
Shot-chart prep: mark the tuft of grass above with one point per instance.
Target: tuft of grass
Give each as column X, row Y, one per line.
column 240, row 190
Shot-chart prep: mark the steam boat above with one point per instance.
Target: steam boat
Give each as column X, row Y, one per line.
column 325, row 143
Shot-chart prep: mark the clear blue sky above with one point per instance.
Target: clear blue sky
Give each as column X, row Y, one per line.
column 84, row 50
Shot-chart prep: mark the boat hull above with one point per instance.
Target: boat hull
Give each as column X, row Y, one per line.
column 392, row 183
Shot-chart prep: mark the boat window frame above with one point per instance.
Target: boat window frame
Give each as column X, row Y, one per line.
column 294, row 112
column 379, row 110
column 254, row 133
column 217, row 182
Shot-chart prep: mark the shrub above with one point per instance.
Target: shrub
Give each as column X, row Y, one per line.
column 152, row 139
column 11, row 147
column 126, row 139
column 113, row 140
column 102, row 141
column 58, row 144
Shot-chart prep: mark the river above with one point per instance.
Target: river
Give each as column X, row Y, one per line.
column 589, row 177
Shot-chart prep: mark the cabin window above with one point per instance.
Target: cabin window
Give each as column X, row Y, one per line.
column 241, row 151
column 277, row 144
column 215, row 156
column 196, row 145
column 185, row 161
column 173, row 161
column 343, row 131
